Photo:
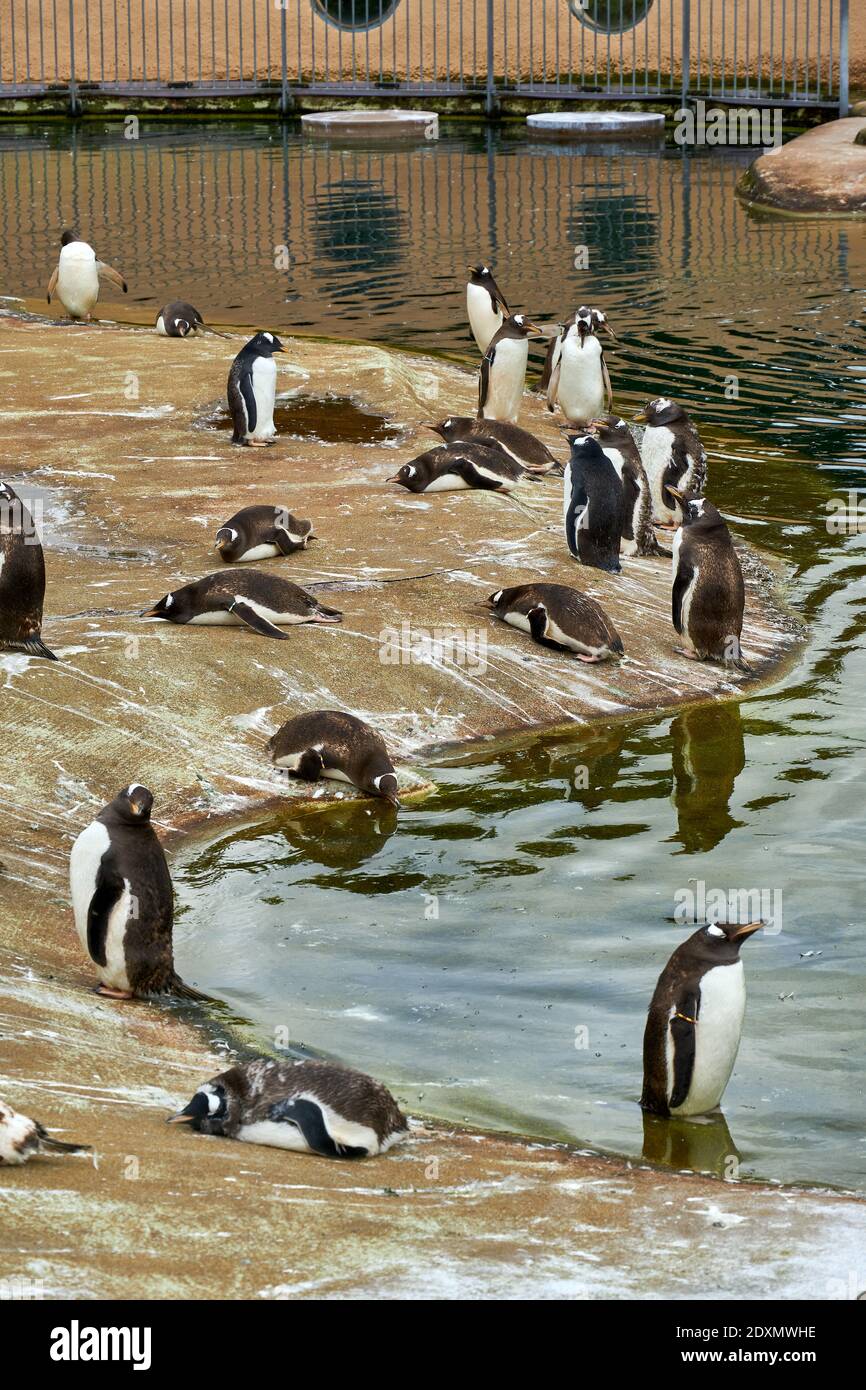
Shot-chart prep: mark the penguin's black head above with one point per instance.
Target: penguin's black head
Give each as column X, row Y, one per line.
column 67, row 236
column 609, row 429
column 455, row 427
column 265, row 345
column 519, row 326
column 384, row 784
column 661, row 411
column 182, row 327
column 719, row 943
column 226, row 542
column 133, row 804
column 415, row 476
column 481, row 274
column 500, row 600
column 584, row 323
column 585, row 448
column 207, row 1111
column 167, row 608
column 697, row 511
column 599, row 321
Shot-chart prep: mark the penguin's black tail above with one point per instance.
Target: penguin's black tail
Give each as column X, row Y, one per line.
column 182, row 990
column 34, row 646
column 660, row 550
column 59, row 1146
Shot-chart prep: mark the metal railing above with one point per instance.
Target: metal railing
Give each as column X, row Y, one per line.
column 780, row 52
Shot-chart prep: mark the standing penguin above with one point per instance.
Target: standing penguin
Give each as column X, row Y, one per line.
column 579, row 380
column 330, row 743
column 76, row 277
column 503, row 370
column 672, row 455
column 617, row 443
column 22, row 579
column 485, row 304
column 252, row 390
column 592, row 505
column 122, row 900
column 695, row 1020
column 177, row 319
column 708, row 597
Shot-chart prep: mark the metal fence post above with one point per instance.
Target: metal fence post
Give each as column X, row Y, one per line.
column 843, row 57
column 73, row 85
column 687, row 49
column 284, row 61
column 491, row 95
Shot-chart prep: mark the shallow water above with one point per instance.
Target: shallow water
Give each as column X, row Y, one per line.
column 460, row 951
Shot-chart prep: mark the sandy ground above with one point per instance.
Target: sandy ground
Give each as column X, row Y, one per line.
column 133, row 491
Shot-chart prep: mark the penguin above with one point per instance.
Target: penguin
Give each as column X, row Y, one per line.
column 579, row 379
column 558, row 616
column 554, row 347
column 177, row 319
column 21, row 1138
column 306, row 1106
column 258, row 533
column 523, row 447
column 329, row 743
column 485, row 304
column 695, row 1020
column 76, row 277
column 264, row 602
column 592, row 505
column 617, row 443
column 252, row 390
column 672, row 454
column 469, row 465
column 22, row 579
column 503, row 370
column 708, row 596
column 122, row 900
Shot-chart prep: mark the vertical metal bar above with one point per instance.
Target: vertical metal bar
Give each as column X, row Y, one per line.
column 156, row 15
column 687, row 50
column 73, row 86
column 736, row 49
column 843, row 57
column 784, row 45
column 284, row 63
column 490, row 94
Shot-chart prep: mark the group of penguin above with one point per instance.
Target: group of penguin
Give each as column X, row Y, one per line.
column 121, row 887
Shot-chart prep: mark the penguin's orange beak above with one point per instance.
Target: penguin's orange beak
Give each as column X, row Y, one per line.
column 596, row 425
column 675, row 492
column 641, row 419
column 534, row 328
column 149, row 613
column 180, row 1119
column 742, row 932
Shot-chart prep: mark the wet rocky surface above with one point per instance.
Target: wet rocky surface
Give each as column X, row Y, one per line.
column 822, row 171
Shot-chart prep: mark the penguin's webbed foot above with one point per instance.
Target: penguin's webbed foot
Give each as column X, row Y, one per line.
column 110, row 993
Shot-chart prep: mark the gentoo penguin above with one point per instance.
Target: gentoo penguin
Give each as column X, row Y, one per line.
column 694, row 1023
column 523, row 447
column 258, row 533
column 263, row 601
column 592, row 505
column 76, row 277
column 554, row 347
column 708, row 596
column 485, row 304
column 252, row 390
column 329, row 743
column 22, row 579
column 122, row 899
column 617, row 443
column 306, row 1106
column 469, row 465
column 21, row 1138
column 672, row 455
column 177, row 319
column 558, row 616
column 503, row 370
column 579, row 380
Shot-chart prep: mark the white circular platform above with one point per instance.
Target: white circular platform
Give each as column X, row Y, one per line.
column 373, row 125
column 597, row 125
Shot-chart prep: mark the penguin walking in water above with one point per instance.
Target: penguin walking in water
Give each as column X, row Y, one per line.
column 252, row 390
column 329, row 743
column 123, row 902
column 579, row 380
column 672, row 456
column 524, row 448
column 22, row 1138
column 259, row 533
column 76, row 277
column 485, row 305
column 617, row 443
column 695, row 1020
column 503, row 370
column 708, row 598
column 470, row 465
column 558, row 616
column 177, row 319
column 592, row 505
column 264, row 602
column 306, row 1106
column 22, row 579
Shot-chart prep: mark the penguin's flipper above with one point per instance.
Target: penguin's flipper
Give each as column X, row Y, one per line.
column 547, row 372
column 553, row 387
column 106, row 895
column 109, row 273
column 246, row 388
column 238, row 409
column 537, row 617
column 52, row 283
column 474, row 476
column 484, row 380
column 284, row 543
column 684, row 576
column 311, row 764
column 248, row 615
column 608, row 389
column 308, row 1118
column 683, row 1028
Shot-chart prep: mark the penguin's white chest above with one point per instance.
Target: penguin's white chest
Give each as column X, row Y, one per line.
column 483, row 321
column 446, row 482
column 655, row 451
column 77, row 279
column 264, row 375
column 717, row 1038
column 506, row 380
column 84, row 862
column 581, row 381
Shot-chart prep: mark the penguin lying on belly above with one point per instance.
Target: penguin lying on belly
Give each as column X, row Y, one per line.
column 22, row 1138
column 695, row 1020
column 708, row 597
column 331, row 743
column 523, row 447
column 469, row 465
column 258, row 533
column 264, row 602
column 557, row 616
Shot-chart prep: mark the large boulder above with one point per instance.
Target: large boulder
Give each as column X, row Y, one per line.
column 823, row 172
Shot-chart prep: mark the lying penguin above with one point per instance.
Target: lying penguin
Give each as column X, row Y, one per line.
column 708, row 597
column 21, row 1138
column 76, row 277
column 22, row 579
column 592, row 505
column 558, row 616
column 330, row 743
column 264, row 602
column 306, row 1106
column 523, row 447
column 259, row 533
column 467, row 465
column 177, row 319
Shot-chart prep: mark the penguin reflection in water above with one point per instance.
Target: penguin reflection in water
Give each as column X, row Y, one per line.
column 76, row 277
column 708, row 597
column 252, row 390
column 306, row 1106
column 695, row 1020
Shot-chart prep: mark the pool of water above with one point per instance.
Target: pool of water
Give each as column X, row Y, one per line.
column 491, row 952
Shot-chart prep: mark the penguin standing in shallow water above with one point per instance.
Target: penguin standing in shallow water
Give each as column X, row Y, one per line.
column 123, row 901
column 329, row 743
column 708, row 598
column 695, row 1020
column 523, row 447
column 259, row 533
column 672, row 455
column 21, row 1138
column 485, row 305
column 308, row 1107
column 471, row 465
column 579, row 379
column 252, row 390
column 264, row 602
column 592, row 505
column 76, row 277
column 558, row 616
column 617, row 443
column 22, row 579
column 503, row 370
